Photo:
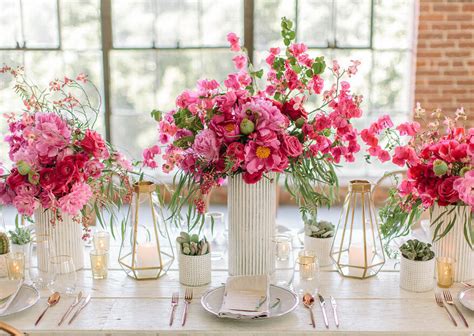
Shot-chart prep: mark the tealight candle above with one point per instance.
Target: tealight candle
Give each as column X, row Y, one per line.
column 308, row 267
column 445, row 267
column 16, row 266
column 283, row 248
column 99, row 265
column 102, row 241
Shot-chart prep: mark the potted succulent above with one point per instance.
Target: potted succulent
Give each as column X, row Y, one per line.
column 318, row 238
column 416, row 266
column 4, row 249
column 20, row 239
column 194, row 257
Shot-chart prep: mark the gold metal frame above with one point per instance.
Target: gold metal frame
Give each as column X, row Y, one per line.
column 359, row 189
column 145, row 187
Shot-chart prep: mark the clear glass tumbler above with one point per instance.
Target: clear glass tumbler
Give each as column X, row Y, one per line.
column 39, row 269
column 64, row 274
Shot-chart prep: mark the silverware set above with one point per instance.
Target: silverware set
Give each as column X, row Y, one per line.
column 79, row 301
column 188, row 297
column 308, row 301
column 449, row 302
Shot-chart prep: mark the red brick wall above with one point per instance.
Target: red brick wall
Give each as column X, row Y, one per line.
column 445, row 56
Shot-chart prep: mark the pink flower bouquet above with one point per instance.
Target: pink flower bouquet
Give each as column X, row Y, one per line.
column 439, row 162
column 59, row 162
column 221, row 130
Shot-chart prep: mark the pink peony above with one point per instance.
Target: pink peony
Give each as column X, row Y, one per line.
column 206, row 145
column 465, row 187
column 264, row 156
column 52, row 134
column 73, row 202
column 25, row 204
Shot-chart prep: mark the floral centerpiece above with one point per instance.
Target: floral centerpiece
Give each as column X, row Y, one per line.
column 60, row 164
column 241, row 131
column 440, row 177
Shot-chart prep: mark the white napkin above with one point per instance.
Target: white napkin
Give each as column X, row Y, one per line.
column 246, row 297
column 4, row 305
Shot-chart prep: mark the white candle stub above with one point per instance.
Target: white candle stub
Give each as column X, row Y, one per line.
column 147, row 256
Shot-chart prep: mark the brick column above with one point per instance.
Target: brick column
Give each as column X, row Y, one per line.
column 445, row 56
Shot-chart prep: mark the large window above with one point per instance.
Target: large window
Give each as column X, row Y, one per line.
column 142, row 53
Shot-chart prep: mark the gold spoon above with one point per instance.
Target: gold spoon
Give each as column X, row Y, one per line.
column 308, row 301
column 52, row 300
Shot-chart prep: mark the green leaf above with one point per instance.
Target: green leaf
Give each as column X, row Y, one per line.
column 157, row 115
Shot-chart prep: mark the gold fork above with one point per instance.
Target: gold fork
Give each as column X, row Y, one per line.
column 439, row 301
column 174, row 303
column 449, row 300
column 188, row 296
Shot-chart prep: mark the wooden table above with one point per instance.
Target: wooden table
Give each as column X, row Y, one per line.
column 123, row 306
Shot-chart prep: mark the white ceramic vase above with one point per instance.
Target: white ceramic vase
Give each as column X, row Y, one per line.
column 417, row 276
column 194, row 270
column 252, row 210
column 65, row 236
column 454, row 244
column 321, row 247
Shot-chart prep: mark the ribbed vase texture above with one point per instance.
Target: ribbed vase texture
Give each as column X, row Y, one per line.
column 65, row 237
column 454, row 244
column 252, row 210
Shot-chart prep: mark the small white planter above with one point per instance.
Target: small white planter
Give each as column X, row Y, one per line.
column 194, row 270
column 321, row 248
column 417, row 276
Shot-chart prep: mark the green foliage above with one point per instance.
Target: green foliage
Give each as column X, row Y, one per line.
column 157, row 115
column 21, row 235
column 4, row 243
column 183, row 118
column 191, row 245
column 321, row 229
column 455, row 213
column 414, row 249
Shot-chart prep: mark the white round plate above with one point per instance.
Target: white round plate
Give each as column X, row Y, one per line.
column 212, row 301
column 7, row 288
column 27, row 297
column 466, row 298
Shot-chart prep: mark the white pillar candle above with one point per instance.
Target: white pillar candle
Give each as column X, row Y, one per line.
column 147, row 256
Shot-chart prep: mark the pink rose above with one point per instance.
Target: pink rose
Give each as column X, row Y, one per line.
column 447, row 193
column 15, row 179
column 465, row 187
column 294, row 112
column 291, row 145
column 47, row 178
column 252, row 178
column 94, row 144
column 206, row 145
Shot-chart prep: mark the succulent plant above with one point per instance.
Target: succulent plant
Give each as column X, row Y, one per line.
column 321, row 229
column 4, row 243
column 191, row 245
column 414, row 249
column 21, row 235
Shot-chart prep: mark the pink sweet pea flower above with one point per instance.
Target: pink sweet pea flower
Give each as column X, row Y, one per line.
column 405, row 155
column 409, row 128
column 240, row 61
column 149, row 156
column 234, row 41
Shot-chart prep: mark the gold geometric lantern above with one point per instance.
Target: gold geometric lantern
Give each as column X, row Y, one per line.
column 357, row 248
column 142, row 255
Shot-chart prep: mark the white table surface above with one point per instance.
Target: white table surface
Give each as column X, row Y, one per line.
column 123, row 306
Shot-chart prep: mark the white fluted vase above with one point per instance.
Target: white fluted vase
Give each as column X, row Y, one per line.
column 65, row 237
column 454, row 244
column 252, row 210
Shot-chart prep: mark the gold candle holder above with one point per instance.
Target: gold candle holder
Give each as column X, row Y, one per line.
column 141, row 255
column 101, row 241
column 445, row 270
column 307, row 265
column 16, row 266
column 99, row 264
column 357, row 248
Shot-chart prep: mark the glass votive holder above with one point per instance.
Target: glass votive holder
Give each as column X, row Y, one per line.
column 306, row 273
column 445, row 271
column 283, row 247
column 99, row 264
column 16, row 266
column 101, row 240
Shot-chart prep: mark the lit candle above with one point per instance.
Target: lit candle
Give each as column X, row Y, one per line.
column 102, row 240
column 16, row 266
column 356, row 258
column 307, row 263
column 147, row 257
column 99, row 265
column 445, row 267
column 283, row 248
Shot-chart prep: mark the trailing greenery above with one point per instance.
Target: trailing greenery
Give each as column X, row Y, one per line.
column 21, row 235
column 321, row 229
column 4, row 243
column 416, row 250
column 191, row 244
